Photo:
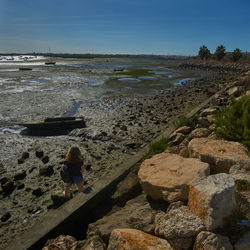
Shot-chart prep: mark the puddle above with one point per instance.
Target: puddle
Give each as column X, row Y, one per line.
column 160, row 72
column 153, row 78
column 183, row 81
column 129, row 79
column 73, row 110
column 16, row 129
column 8, row 70
column 95, row 82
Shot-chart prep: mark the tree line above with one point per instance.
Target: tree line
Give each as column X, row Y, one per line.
column 220, row 52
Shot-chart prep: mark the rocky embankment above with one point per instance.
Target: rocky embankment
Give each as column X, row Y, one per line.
column 195, row 195
column 216, row 66
column 116, row 129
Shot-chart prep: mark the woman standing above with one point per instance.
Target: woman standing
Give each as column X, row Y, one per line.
column 74, row 162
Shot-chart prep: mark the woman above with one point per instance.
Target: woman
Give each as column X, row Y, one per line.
column 76, row 168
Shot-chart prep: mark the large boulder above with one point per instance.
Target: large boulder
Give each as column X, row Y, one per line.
column 61, row 242
column 212, row 198
column 93, row 243
column 210, row 241
column 220, row 154
column 183, row 130
column 241, row 176
column 167, row 176
column 179, row 226
column 209, row 111
column 175, row 138
column 137, row 214
column 199, row 133
column 127, row 189
column 135, row 239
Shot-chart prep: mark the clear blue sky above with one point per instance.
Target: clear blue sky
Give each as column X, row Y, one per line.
column 123, row 26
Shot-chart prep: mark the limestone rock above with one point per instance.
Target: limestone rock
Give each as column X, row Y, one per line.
column 93, row 243
column 235, row 91
column 183, row 130
column 136, row 214
column 127, row 189
column 179, row 226
column 206, row 121
column 220, row 154
column 199, row 133
column 212, row 198
column 243, row 243
column 240, row 175
column 61, row 242
column 210, row 241
column 167, row 176
column 209, row 111
column 177, row 139
column 135, row 239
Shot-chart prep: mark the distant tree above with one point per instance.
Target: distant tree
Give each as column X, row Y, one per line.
column 204, row 52
column 236, row 55
column 220, row 52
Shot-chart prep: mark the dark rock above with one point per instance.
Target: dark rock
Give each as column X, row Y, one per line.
column 124, row 128
column 88, row 167
column 3, row 180
column 19, row 185
column 45, row 159
column 132, row 145
column 25, row 155
column 46, row 171
column 8, row 187
column 39, row 153
column 37, row 192
column 20, row 176
column 5, row 217
column 104, row 133
column 31, row 170
column 20, row 161
column 2, row 169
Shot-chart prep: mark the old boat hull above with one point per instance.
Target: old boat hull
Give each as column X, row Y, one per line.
column 58, row 123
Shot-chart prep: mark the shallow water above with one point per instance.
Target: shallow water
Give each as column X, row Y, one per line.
column 57, row 90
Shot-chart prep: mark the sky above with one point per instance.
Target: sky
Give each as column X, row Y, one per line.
column 166, row 27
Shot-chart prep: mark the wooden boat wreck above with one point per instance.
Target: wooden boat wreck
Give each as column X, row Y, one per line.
column 50, row 63
column 24, row 68
column 57, row 123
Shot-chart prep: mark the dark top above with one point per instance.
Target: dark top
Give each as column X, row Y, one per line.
column 75, row 168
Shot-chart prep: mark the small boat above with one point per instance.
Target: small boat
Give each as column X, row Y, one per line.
column 25, row 68
column 50, row 63
column 57, row 123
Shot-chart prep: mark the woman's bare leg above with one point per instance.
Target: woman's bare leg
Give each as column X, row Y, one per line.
column 80, row 186
column 67, row 190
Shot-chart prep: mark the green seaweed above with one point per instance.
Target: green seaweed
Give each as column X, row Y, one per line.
column 190, row 122
column 156, row 148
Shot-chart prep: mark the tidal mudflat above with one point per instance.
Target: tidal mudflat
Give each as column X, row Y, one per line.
column 126, row 103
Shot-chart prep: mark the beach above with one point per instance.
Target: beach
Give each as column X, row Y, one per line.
column 121, row 117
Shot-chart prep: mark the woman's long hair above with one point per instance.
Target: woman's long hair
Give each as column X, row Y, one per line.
column 74, row 155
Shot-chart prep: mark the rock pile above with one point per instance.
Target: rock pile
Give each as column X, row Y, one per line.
column 198, row 184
